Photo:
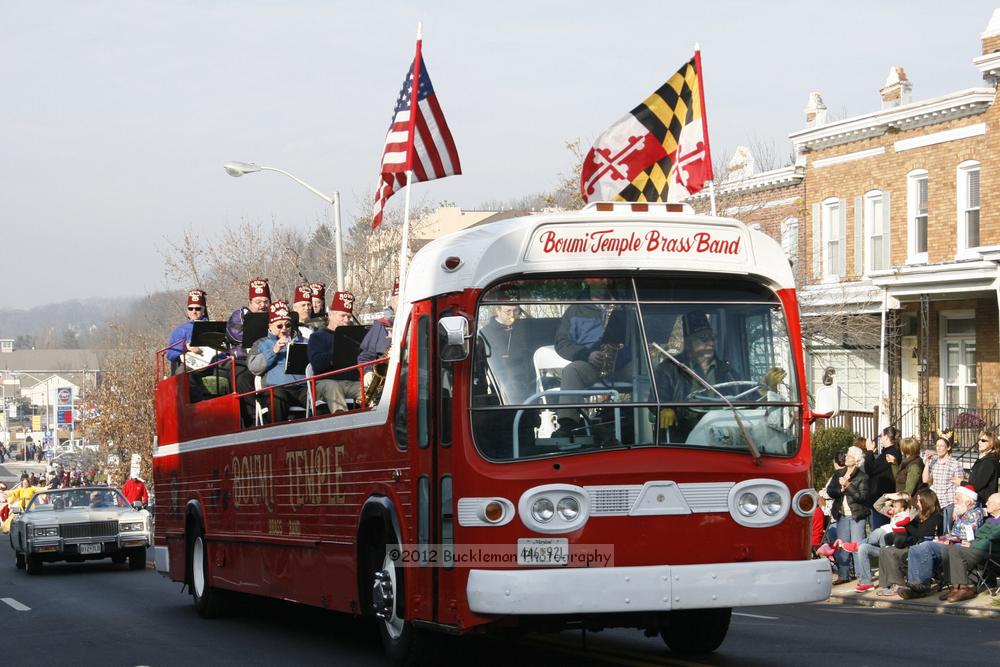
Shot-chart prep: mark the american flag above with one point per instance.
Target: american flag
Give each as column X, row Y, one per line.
column 420, row 142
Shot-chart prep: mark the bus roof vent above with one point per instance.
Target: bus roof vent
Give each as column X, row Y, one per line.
column 659, row 207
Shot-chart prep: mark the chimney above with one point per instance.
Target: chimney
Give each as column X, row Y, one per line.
column 898, row 89
column 991, row 37
column 815, row 111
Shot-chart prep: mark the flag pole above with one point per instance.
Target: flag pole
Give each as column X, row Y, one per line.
column 404, row 244
column 338, row 240
column 704, row 126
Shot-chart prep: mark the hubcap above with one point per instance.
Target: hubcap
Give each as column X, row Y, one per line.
column 198, row 567
column 384, row 598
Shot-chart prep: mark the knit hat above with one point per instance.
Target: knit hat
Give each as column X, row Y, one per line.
column 196, row 297
column 302, row 293
column 259, row 287
column 279, row 311
column 968, row 492
column 343, row 302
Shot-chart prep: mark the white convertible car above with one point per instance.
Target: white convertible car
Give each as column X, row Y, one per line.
column 77, row 524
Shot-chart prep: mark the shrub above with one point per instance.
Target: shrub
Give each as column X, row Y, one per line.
column 825, row 444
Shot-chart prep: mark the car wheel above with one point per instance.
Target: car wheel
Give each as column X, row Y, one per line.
column 33, row 564
column 19, row 560
column 137, row 558
column 695, row 631
column 208, row 601
column 403, row 643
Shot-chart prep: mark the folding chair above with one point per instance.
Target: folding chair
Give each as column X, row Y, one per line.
column 986, row 577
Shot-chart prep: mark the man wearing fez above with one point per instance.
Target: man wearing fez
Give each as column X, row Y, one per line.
column 333, row 389
column 318, row 300
column 376, row 341
column 180, row 337
column 267, row 359
column 259, row 299
column 302, row 305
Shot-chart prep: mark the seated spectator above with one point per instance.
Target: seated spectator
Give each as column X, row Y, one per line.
column 897, row 508
column 926, row 525
column 962, row 558
column 267, row 359
column 924, row 556
column 849, row 492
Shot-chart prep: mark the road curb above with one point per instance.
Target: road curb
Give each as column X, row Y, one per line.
column 926, row 606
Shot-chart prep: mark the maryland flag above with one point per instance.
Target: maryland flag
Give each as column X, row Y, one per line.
column 659, row 151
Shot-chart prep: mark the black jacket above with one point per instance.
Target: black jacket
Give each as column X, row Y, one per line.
column 919, row 531
column 856, row 494
column 880, row 476
column 984, row 476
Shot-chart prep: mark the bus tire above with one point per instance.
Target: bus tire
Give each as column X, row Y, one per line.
column 33, row 564
column 403, row 643
column 209, row 602
column 695, row 631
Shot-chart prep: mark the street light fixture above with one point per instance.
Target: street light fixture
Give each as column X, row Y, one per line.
column 237, row 169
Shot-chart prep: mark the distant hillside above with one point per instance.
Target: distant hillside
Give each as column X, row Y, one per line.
column 52, row 325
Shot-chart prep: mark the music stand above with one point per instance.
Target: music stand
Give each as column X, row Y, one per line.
column 297, row 359
column 346, row 345
column 254, row 328
column 209, row 334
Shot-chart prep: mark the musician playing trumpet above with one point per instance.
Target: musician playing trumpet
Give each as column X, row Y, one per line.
column 590, row 336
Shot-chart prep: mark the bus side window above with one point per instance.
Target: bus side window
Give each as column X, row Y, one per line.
column 399, row 418
column 424, row 377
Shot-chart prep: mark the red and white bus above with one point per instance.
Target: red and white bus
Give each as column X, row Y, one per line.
column 504, row 479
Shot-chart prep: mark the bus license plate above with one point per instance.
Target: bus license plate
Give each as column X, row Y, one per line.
column 549, row 551
column 90, row 548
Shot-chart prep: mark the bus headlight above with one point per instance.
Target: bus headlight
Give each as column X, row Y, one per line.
column 541, row 510
column 568, row 508
column 759, row 503
column 748, row 504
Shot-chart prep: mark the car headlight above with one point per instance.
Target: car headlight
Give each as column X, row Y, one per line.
column 130, row 526
column 568, row 508
column 748, row 504
column 51, row 531
column 771, row 503
column 542, row 510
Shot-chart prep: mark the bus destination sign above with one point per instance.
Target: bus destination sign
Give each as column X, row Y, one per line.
column 632, row 241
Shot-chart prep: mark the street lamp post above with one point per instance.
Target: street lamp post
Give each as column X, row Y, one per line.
column 237, row 169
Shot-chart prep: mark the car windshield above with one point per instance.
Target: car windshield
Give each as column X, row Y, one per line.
column 64, row 499
column 570, row 365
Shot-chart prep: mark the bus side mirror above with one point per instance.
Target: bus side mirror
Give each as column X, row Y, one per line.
column 453, row 338
column 827, row 402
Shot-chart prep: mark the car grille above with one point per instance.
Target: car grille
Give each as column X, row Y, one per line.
column 92, row 529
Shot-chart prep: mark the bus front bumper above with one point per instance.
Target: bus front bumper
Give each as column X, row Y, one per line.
column 647, row 588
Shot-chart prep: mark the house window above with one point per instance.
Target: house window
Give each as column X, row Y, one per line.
column 968, row 204
column 958, row 359
column 917, row 206
column 790, row 239
column 876, row 231
column 833, row 244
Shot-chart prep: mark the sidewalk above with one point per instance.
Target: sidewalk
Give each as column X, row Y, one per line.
column 981, row 605
column 10, row 471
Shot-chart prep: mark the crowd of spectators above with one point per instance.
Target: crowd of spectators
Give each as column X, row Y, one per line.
column 922, row 519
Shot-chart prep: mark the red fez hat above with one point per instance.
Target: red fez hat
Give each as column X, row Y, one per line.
column 279, row 311
column 318, row 291
column 302, row 293
column 259, row 287
column 342, row 301
column 196, row 297
column 395, row 287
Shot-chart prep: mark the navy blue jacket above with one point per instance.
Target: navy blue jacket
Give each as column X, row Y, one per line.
column 375, row 343
column 321, row 355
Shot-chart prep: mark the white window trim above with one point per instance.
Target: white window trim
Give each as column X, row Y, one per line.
column 829, row 218
column 787, row 238
column 868, row 221
column 943, row 338
column 912, row 256
column 962, row 249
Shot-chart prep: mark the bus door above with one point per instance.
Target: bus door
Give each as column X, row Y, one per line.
column 431, row 473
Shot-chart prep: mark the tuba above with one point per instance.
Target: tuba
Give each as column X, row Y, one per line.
column 373, row 392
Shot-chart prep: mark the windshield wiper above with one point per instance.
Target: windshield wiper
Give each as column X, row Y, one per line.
column 751, row 445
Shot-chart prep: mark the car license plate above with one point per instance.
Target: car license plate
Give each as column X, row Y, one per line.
column 91, row 548
column 543, row 551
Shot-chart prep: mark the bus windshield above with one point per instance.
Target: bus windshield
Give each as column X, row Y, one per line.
column 572, row 365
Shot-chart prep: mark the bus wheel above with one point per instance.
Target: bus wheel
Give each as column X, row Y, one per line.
column 404, row 644
column 695, row 631
column 209, row 602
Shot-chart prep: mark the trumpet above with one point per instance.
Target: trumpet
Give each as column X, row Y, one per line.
column 376, row 381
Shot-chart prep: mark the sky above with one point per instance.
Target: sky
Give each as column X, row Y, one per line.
column 116, row 116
